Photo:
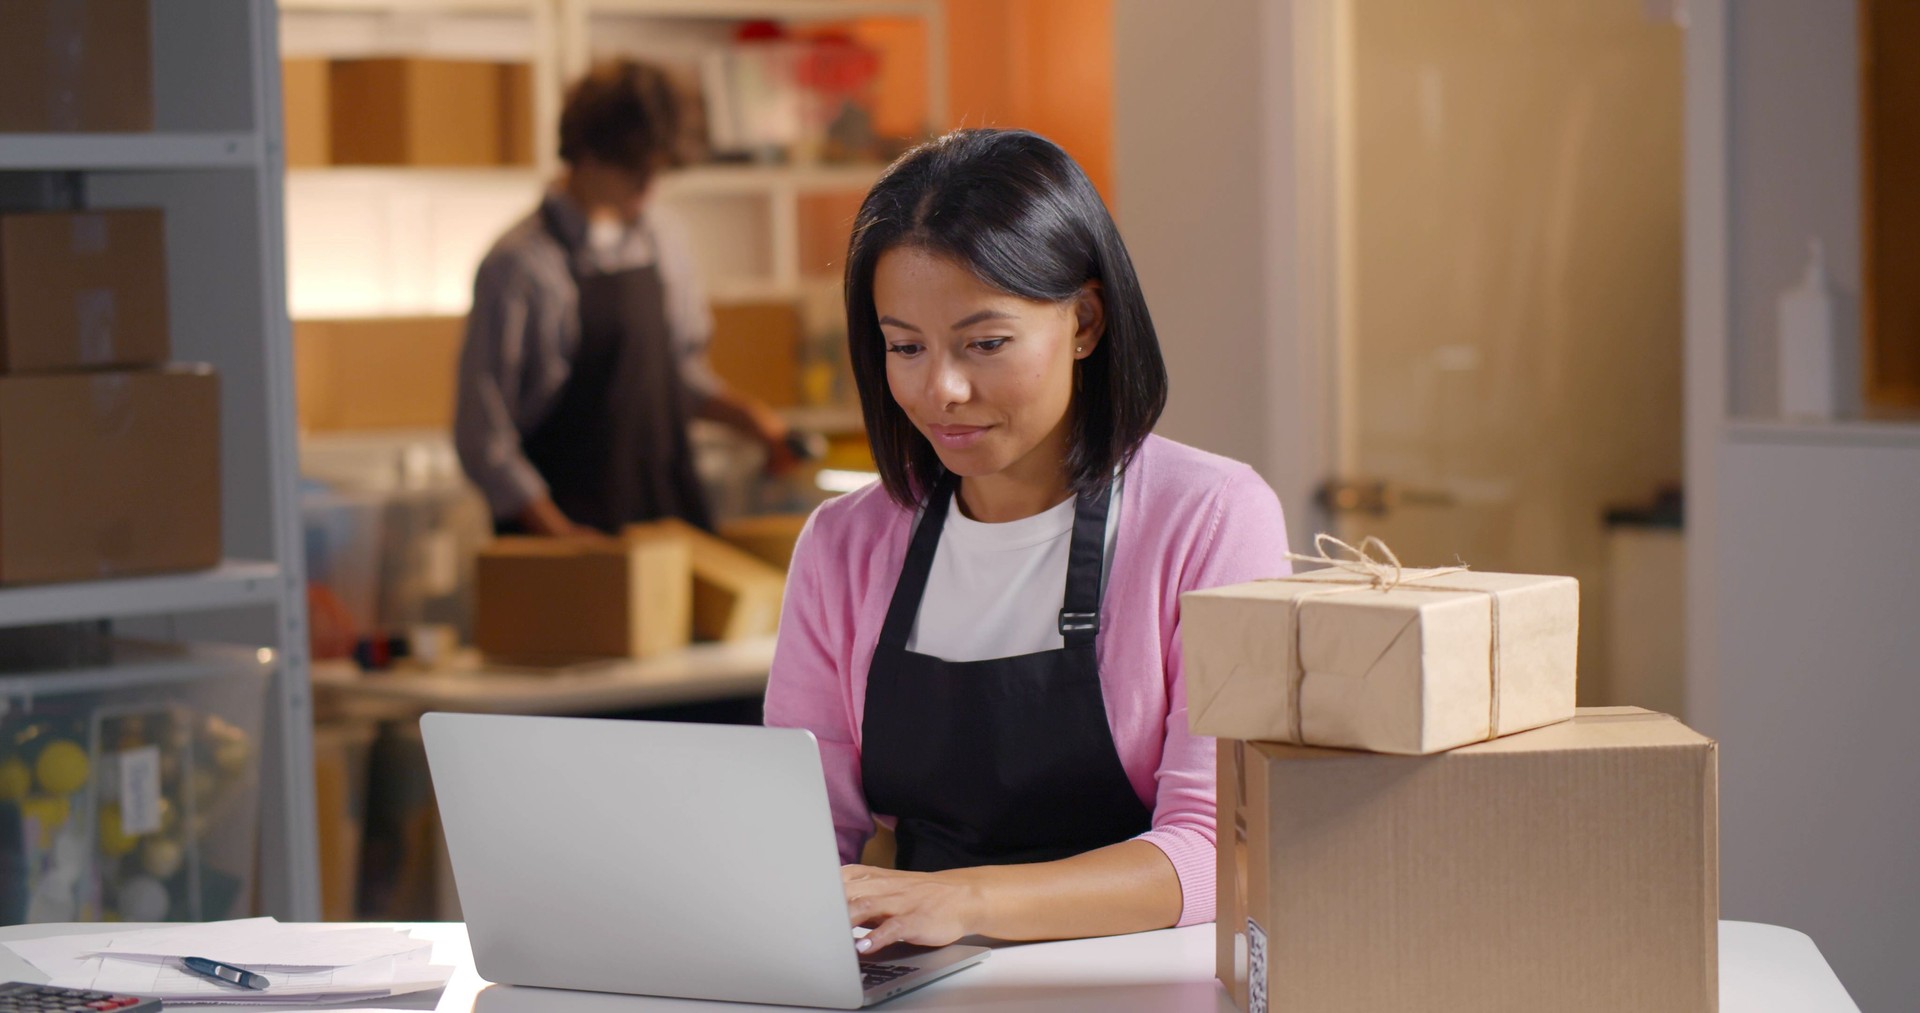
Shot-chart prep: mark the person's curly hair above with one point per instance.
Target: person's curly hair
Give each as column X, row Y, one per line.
column 627, row 114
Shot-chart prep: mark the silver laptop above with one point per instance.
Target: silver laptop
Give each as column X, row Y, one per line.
column 654, row 858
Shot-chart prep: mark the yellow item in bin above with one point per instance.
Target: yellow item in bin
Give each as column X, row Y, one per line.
column 62, row 767
column 161, row 857
column 16, row 780
column 114, row 840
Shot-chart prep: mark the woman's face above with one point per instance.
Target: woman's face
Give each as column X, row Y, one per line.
column 985, row 376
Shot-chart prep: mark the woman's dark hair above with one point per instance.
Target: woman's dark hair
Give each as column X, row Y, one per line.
column 1018, row 212
column 626, row 114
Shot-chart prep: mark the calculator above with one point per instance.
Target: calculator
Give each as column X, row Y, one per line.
column 21, row 997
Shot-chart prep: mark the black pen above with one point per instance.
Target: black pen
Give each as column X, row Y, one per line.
column 226, row 973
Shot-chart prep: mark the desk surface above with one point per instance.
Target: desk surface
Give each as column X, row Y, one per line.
column 696, row 674
column 1763, row 969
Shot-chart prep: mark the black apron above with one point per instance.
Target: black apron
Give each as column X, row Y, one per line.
column 1002, row 761
column 614, row 448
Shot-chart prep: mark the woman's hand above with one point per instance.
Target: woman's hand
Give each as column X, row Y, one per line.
column 922, row 908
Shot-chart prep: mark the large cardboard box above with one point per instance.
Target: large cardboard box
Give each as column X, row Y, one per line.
column 377, row 373
column 404, row 111
column 1328, row 659
column 1571, row 868
column 307, row 99
column 76, row 65
column 561, row 598
column 770, row 537
column 108, row 474
column 756, row 349
column 83, row 290
column 519, row 141
column 735, row 595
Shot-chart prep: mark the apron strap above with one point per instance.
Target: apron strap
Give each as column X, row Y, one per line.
column 905, row 606
column 1080, row 606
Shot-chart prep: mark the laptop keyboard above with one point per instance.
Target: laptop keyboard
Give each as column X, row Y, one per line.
column 879, row 974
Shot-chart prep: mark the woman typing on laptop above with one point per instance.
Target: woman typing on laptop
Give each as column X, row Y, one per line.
column 986, row 643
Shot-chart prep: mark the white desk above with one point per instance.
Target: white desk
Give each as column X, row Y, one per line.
column 1763, row 969
column 697, row 674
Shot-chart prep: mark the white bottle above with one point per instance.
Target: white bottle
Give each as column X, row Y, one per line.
column 1806, row 356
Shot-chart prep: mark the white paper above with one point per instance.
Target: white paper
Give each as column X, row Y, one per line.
column 265, row 941
column 302, row 963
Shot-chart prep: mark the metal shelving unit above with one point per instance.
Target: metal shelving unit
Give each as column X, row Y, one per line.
column 213, row 164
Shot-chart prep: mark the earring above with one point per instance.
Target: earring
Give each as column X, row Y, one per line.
column 1079, row 348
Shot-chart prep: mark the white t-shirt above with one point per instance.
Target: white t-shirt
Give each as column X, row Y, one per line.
column 995, row 590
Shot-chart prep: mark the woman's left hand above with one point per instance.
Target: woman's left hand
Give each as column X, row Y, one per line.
column 922, row 908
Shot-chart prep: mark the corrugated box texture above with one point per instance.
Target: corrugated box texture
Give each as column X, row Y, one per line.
column 1572, row 868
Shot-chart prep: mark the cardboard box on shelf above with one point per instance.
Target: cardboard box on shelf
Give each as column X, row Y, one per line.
column 756, row 349
column 1433, row 663
column 307, row 99
column 76, row 66
column 735, row 594
column 769, row 537
column 408, row 111
column 83, row 290
column 518, row 143
column 1574, row 868
column 376, row 372
column 109, row 474
column 561, row 598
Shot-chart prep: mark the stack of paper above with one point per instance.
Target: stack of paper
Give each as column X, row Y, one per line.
column 302, row 963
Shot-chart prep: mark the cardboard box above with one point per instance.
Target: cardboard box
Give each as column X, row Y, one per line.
column 417, row 112
column 756, row 349
column 518, row 143
column 1571, row 868
column 109, row 474
column 76, row 66
column 769, row 537
column 1431, row 664
column 560, row 598
column 377, row 373
column 307, row 111
column 83, row 290
column 735, row 595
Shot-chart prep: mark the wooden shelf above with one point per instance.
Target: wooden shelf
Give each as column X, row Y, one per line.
column 1839, row 432
column 768, row 10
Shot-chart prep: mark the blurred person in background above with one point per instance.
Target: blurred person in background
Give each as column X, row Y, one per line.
column 586, row 348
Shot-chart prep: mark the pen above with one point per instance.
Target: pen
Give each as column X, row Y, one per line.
column 224, row 972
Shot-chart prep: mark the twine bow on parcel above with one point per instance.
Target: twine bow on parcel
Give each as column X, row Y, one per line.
column 1382, row 575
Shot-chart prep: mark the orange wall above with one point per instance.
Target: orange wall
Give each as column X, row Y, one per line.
column 1042, row 65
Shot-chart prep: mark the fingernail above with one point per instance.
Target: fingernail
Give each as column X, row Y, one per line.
column 863, row 945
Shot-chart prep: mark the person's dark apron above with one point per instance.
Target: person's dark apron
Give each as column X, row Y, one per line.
column 1002, row 761
column 614, row 448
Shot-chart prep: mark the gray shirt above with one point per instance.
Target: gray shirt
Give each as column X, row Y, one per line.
column 524, row 329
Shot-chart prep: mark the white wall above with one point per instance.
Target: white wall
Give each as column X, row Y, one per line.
column 1204, row 177
column 1804, row 559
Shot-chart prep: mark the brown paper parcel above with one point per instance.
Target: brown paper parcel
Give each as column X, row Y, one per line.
column 1434, row 662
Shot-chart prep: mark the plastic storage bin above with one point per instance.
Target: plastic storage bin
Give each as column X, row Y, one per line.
column 130, row 792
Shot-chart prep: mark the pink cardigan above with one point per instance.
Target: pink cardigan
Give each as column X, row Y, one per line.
column 1188, row 520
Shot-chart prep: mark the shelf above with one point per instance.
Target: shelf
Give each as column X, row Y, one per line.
column 233, row 584
column 83, row 152
column 764, row 10
column 1838, row 433
column 138, row 663
column 412, row 6
column 706, row 180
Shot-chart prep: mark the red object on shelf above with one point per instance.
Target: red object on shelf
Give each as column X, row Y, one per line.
column 759, row 31
column 835, row 64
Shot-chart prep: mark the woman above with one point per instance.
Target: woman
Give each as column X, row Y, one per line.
column 1028, row 746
